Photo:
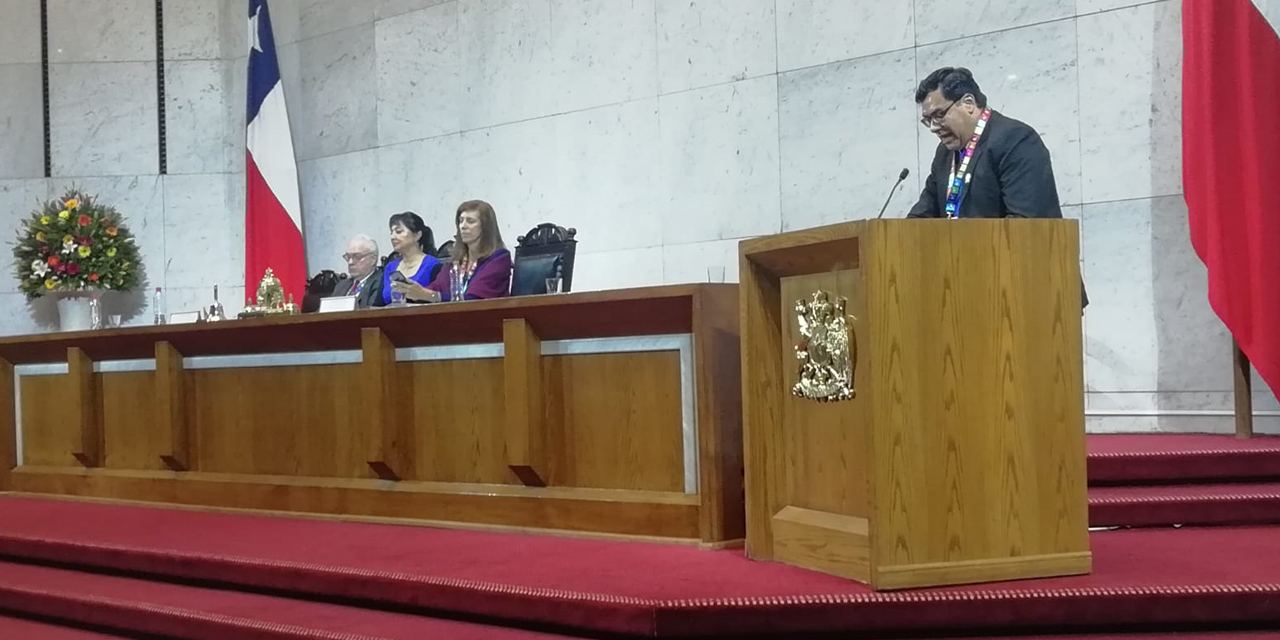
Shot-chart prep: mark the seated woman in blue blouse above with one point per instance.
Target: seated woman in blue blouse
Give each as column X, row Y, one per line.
column 416, row 267
column 478, row 254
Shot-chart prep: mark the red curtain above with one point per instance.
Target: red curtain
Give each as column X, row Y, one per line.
column 1231, row 168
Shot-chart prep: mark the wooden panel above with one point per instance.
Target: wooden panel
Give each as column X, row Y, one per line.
column 8, row 425
column 718, row 380
column 979, row 408
column 762, row 387
column 614, row 421
column 827, row 542
column 457, row 407
column 50, row 432
column 526, row 438
column 390, row 443
column 280, row 420
column 826, row 444
column 667, row 515
column 172, row 412
column 819, row 249
column 86, row 408
column 1242, row 383
column 134, row 434
column 989, row 570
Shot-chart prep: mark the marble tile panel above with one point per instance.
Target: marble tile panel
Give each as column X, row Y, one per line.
column 286, row 24
column 96, row 31
column 235, row 77
column 816, row 32
column 339, row 196
column 700, row 262
column 233, row 27
column 419, row 75
column 1130, row 74
column 623, row 269
column 940, row 20
column 320, row 17
column 390, row 8
column 1094, row 6
column 195, row 115
column 553, row 56
column 192, row 30
column 719, row 162
column 204, row 237
column 21, row 41
column 21, row 121
column 1102, row 403
column 140, row 203
column 115, row 132
column 708, row 42
column 194, row 299
column 847, row 129
column 337, row 109
column 1029, row 74
column 20, row 317
column 423, row 176
column 594, row 170
column 1149, row 325
column 18, row 200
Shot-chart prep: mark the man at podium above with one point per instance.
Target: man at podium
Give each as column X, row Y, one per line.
column 987, row 165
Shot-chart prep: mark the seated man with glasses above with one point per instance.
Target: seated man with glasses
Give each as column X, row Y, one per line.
column 365, row 276
column 987, row 165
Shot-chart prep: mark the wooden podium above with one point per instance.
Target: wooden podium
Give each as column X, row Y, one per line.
column 960, row 457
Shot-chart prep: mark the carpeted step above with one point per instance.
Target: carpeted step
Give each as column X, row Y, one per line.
column 22, row 629
column 135, row 606
column 1152, row 577
column 1197, row 504
column 1181, row 459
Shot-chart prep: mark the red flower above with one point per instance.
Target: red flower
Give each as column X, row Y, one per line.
column 84, row 220
column 44, row 249
column 73, row 268
column 54, row 261
column 84, row 240
column 62, row 268
column 93, row 277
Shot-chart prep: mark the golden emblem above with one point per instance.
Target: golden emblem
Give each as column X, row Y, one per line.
column 270, row 300
column 827, row 350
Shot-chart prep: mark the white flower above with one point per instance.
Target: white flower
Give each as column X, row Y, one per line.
column 39, row 268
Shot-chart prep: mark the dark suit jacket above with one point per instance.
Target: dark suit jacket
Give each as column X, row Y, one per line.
column 1012, row 177
column 370, row 295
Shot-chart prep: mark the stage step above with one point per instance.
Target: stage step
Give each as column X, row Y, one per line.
column 142, row 607
column 1181, row 459
column 1195, row 504
column 22, row 629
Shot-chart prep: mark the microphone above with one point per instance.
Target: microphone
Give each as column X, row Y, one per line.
column 901, row 176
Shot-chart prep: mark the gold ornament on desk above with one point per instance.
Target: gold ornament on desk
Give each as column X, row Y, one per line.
column 828, row 349
column 270, row 300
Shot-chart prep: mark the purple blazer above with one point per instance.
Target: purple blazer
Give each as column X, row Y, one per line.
column 492, row 278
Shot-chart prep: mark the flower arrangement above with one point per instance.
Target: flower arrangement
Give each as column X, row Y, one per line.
column 73, row 243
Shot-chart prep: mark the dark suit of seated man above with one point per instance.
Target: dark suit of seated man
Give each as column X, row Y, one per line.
column 364, row 279
column 987, row 165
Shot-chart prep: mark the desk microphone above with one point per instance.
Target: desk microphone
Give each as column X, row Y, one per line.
column 901, row 176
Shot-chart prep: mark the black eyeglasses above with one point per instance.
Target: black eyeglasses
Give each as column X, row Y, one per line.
column 936, row 118
column 350, row 257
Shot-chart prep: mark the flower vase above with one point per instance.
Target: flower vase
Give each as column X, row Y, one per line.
column 74, row 312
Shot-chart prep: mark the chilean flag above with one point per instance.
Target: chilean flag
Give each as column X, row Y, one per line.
column 272, row 211
column 1231, row 168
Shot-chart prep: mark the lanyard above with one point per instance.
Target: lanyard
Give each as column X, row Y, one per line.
column 958, row 180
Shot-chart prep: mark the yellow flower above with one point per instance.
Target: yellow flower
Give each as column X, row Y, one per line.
column 68, row 239
column 84, row 251
column 64, row 214
column 49, row 284
column 72, row 203
column 111, row 252
column 45, row 219
column 40, row 236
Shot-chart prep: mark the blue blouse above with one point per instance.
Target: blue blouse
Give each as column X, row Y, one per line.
column 422, row 277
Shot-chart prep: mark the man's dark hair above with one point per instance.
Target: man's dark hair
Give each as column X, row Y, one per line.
column 954, row 82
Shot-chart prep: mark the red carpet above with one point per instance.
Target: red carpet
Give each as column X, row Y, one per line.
column 19, row 629
column 1158, row 576
column 1116, row 459
column 1206, row 504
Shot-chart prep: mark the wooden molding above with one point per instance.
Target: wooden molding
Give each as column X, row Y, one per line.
column 392, row 439
column 8, row 424
column 525, row 423
column 171, row 412
column 86, row 404
column 1242, row 375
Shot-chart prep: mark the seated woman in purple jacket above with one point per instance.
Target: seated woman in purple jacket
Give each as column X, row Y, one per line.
column 478, row 254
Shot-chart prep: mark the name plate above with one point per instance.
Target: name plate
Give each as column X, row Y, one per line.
column 341, row 303
column 184, row 317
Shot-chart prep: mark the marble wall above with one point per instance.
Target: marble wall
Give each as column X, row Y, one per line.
column 664, row 130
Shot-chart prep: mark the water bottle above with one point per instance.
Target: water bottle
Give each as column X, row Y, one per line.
column 455, row 283
column 157, row 305
column 95, row 312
